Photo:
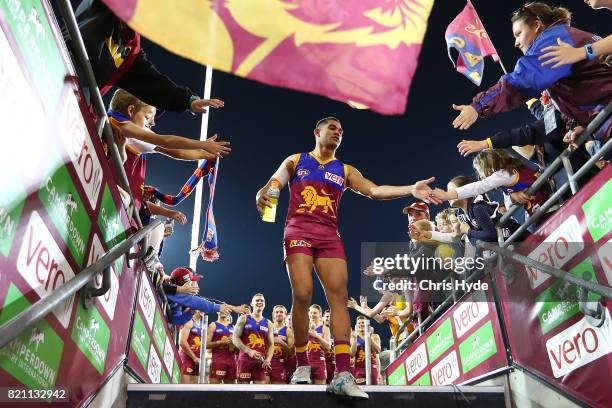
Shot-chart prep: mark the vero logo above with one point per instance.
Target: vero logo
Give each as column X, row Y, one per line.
column 556, row 250
column 467, row 315
column 416, row 362
column 43, row 266
column 578, row 345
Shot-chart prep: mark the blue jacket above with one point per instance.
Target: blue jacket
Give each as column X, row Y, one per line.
column 579, row 90
column 179, row 304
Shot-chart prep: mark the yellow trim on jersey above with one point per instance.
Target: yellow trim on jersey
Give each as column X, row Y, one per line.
column 516, row 179
column 301, row 349
column 320, row 161
column 295, row 159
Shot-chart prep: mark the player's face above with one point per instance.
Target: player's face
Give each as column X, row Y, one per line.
column 280, row 315
column 327, row 318
column 360, row 326
column 258, row 303
column 314, row 314
column 330, row 134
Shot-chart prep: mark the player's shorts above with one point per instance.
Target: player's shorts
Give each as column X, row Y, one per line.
column 278, row 373
column 318, row 369
column 360, row 374
column 314, row 247
column 188, row 366
column 250, row 370
column 223, row 368
column 330, row 367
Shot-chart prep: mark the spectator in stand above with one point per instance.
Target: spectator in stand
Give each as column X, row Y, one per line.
column 564, row 53
column 133, row 120
column 417, row 211
column 330, row 359
column 283, row 345
column 318, row 343
column 579, row 91
column 190, row 338
column 183, row 306
column 254, row 337
column 219, row 340
column 358, row 351
column 480, row 214
column 498, row 169
column 548, row 143
column 115, row 55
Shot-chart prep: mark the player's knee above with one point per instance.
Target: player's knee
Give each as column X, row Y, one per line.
column 301, row 297
column 337, row 294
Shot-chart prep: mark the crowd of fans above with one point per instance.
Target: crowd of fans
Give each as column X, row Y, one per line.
column 564, row 79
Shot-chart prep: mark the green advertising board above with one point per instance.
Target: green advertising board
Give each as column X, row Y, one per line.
column 110, row 224
column 159, row 332
column 164, row 378
column 425, row 379
column 440, row 340
column 478, row 347
column 398, row 377
column 140, row 340
column 32, row 31
column 34, row 357
column 61, row 199
column 12, row 200
column 559, row 301
column 598, row 212
column 91, row 334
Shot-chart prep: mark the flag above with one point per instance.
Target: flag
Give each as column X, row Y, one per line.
column 360, row 51
column 467, row 35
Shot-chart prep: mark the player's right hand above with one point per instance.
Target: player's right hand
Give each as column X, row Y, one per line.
column 262, row 201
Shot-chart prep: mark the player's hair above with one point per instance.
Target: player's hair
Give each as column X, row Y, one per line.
column 361, row 318
column 326, row 310
column 258, row 294
column 279, row 307
column 315, row 306
column 323, row 121
column 122, row 99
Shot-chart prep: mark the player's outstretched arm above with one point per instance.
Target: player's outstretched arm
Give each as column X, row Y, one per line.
column 281, row 176
column 363, row 186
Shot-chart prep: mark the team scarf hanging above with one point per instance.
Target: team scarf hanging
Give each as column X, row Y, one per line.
column 203, row 169
column 208, row 247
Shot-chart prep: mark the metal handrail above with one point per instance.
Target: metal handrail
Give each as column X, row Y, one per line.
column 103, row 127
column 552, row 169
column 602, row 290
column 15, row 326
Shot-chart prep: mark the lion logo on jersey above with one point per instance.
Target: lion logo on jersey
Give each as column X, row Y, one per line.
column 313, row 200
column 254, row 341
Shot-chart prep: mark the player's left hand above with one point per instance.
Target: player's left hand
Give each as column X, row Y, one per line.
column 422, row 191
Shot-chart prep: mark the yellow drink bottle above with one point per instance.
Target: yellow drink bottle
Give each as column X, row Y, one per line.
column 269, row 213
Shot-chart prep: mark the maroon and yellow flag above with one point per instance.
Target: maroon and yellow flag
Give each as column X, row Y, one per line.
column 363, row 52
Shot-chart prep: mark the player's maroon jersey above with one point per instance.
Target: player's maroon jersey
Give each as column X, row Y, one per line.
column 315, row 188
